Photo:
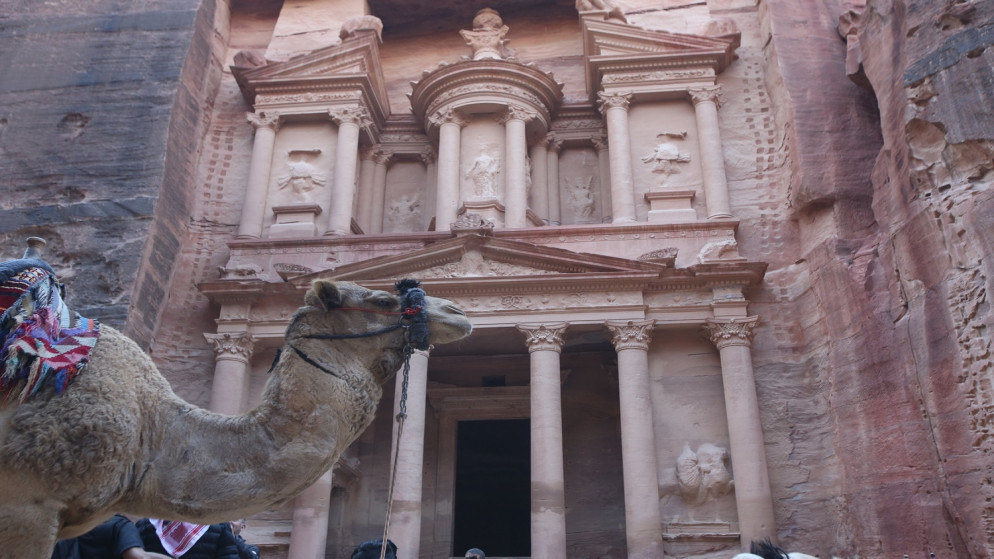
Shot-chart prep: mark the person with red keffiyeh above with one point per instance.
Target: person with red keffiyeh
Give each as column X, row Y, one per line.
column 188, row 541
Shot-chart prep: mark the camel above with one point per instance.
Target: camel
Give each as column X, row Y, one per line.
column 118, row 440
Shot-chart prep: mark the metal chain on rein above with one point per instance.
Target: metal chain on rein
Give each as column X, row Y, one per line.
column 408, row 351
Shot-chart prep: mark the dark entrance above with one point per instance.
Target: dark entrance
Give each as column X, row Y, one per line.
column 493, row 488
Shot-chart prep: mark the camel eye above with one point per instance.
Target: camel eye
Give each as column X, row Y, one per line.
column 383, row 302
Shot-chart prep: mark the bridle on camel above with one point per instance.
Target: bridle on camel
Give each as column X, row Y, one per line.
column 414, row 321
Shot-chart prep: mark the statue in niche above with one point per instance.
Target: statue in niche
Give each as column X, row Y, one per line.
column 487, row 36
column 302, row 177
column 484, row 174
column 702, row 475
column 666, row 157
column 581, row 196
column 403, row 213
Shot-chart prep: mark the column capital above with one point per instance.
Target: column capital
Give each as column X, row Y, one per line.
column 610, row 101
column 724, row 332
column 630, row 334
column 236, row 346
column 553, row 143
column 544, row 337
column 710, row 94
column 367, row 153
column 265, row 119
column 517, row 112
column 350, row 115
column 382, row 156
column 428, row 155
column 448, row 116
column 599, row 142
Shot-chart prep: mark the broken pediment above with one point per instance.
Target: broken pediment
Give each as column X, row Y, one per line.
column 338, row 74
column 618, row 54
column 477, row 256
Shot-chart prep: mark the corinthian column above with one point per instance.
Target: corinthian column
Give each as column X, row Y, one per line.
column 447, row 200
column 254, row 207
column 554, row 145
column 548, row 520
column 405, row 519
column 540, row 180
column 232, row 351
column 349, row 120
column 643, row 529
column 604, row 170
column 381, row 158
column 614, row 106
column 309, row 531
column 366, row 169
column 712, row 160
column 753, row 498
column 516, row 156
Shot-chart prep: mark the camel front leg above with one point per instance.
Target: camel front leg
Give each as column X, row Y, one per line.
column 28, row 531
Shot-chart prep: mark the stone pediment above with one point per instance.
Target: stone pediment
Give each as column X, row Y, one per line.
column 618, row 53
column 478, row 256
column 335, row 75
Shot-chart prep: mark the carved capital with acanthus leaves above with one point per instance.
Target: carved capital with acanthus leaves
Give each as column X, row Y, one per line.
column 553, row 143
column 265, row 119
column 630, row 334
column 235, row 346
column 448, row 116
column 515, row 112
column 610, row 101
column 706, row 95
column 724, row 332
column 544, row 337
column 358, row 116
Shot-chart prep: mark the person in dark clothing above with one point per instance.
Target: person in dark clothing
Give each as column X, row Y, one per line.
column 217, row 542
column 245, row 549
column 372, row 549
column 117, row 538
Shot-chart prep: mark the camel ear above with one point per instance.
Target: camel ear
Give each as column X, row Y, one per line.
column 323, row 295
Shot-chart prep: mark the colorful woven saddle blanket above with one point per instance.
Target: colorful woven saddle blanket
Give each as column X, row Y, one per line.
column 42, row 341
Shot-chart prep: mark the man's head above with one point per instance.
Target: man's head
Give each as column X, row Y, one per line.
column 238, row 525
column 371, row 550
column 476, row 553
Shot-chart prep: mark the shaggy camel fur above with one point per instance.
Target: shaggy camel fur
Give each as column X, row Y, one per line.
column 119, row 440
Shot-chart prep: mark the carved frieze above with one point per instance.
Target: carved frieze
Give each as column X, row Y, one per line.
column 306, row 97
column 545, row 301
column 657, row 75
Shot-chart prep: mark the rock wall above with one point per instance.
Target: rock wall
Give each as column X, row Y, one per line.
column 890, row 281
column 102, row 110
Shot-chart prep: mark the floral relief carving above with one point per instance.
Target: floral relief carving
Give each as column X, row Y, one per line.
column 614, row 101
column 487, row 36
column 358, row 116
column 544, row 337
column 724, row 332
column 229, row 345
column 630, row 334
column 265, row 119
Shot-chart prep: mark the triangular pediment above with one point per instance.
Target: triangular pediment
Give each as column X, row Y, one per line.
column 610, row 46
column 479, row 256
column 354, row 65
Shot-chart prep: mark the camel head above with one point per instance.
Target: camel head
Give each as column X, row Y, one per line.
column 379, row 323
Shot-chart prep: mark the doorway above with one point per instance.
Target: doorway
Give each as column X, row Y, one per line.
column 492, row 508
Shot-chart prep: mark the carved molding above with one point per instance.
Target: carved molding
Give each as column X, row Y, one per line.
column 630, row 334
column 724, row 332
column 235, row 346
column 544, row 337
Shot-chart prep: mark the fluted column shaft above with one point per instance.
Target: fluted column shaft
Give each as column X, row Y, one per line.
column 309, row 531
column 615, row 110
column 540, row 180
column 447, row 194
column 604, row 169
column 712, row 158
column 516, row 155
column 643, row 529
column 405, row 516
column 232, row 352
column 548, row 487
column 381, row 159
column 254, row 207
column 366, row 169
column 753, row 497
column 554, row 145
column 431, row 177
column 349, row 121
